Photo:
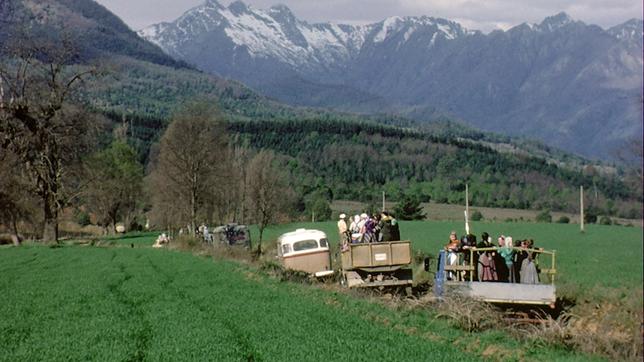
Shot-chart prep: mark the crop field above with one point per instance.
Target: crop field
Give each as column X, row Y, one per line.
column 123, row 303
column 111, row 303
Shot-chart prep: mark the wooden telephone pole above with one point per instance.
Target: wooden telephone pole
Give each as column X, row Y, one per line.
column 467, row 209
column 581, row 208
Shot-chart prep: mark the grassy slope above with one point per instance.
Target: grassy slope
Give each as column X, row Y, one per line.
column 81, row 303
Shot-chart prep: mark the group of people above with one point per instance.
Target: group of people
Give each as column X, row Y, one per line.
column 508, row 261
column 161, row 241
column 368, row 229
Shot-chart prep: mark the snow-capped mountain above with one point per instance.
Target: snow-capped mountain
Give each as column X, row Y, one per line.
column 573, row 85
column 276, row 33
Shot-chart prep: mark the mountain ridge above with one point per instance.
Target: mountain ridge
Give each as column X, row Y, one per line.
column 572, row 85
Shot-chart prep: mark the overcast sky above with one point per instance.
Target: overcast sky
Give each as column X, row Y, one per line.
column 484, row 15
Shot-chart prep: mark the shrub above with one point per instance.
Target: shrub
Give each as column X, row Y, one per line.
column 605, row 220
column 563, row 220
column 322, row 209
column 468, row 314
column 590, row 217
column 82, row 218
column 544, row 216
column 477, row 216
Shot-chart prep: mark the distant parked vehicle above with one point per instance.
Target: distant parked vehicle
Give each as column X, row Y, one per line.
column 305, row 250
column 231, row 235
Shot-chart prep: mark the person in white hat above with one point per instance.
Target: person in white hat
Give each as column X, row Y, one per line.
column 362, row 222
column 343, row 231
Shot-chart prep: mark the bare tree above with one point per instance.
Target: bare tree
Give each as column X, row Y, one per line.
column 191, row 161
column 268, row 192
column 38, row 123
column 16, row 201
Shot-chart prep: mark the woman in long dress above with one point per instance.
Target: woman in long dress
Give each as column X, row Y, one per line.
column 452, row 249
column 529, row 272
column 486, row 267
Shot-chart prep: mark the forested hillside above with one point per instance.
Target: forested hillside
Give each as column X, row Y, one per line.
column 357, row 161
column 347, row 156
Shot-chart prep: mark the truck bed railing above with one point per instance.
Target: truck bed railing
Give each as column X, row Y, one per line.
column 548, row 268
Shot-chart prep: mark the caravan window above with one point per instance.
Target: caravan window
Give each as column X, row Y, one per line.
column 324, row 243
column 305, row 245
column 286, row 248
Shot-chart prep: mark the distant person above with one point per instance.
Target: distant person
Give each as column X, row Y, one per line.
column 161, row 241
column 369, row 231
column 354, row 229
column 468, row 243
column 206, row 234
column 499, row 261
column 389, row 230
column 452, row 247
column 507, row 253
column 395, row 229
column 362, row 222
column 486, row 267
column 343, row 231
column 529, row 271
column 376, row 227
column 519, row 256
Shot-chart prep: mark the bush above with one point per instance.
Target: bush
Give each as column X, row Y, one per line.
column 590, row 218
column 544, row 216
column 605, row 220
column 564, row 220
column 468, row 314
column 82, row 218
column 322, row 209
column 477, row 216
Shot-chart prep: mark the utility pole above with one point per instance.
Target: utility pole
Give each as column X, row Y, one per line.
column 467, row 199
column 581, row 208
column 467, row 209
column 383, row 201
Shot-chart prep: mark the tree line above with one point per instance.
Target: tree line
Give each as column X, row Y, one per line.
column 57, row 155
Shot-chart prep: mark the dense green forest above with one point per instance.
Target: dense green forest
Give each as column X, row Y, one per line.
column 357, row 160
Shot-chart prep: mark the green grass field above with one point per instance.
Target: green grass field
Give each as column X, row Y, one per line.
column 111, row 303
column 122, row 303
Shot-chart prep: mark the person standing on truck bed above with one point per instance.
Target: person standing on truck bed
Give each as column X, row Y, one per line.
column 395, row 229
column 389, row 230
column 486, row 267
column 452, row 249
column 354, row 229
column 343, row 230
